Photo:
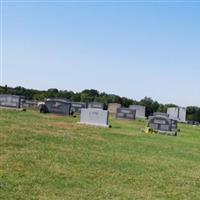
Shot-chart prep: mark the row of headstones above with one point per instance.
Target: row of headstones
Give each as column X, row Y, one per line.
column 91, row 114
column 60, row 106
column 57, row 105
column 94, row 114
column 17, row 102
column 11, row 101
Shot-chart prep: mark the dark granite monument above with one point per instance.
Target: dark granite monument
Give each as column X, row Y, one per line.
column 30, row 104
column 58, row 106
column 126, row 113
column 11, row 101
column 163, row 124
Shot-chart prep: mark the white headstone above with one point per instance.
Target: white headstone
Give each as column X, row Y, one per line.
column 177, row 113
column 96, row 117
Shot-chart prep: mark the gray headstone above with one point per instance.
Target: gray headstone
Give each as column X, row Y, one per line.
column 30, row 104
column 95, row 117
column 58, row 106
column 160, row 114
column 11, row 101
column 77, row 106
column 163, row 124
column 96, row 105
column 160, row 123
column 140, row 111
column 125, row 113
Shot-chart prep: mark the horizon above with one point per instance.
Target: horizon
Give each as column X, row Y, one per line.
column 131, row 49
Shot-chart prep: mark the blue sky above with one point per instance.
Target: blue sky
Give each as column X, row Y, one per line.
column 126, row 48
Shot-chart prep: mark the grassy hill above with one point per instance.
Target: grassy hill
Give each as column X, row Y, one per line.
column 50, row 157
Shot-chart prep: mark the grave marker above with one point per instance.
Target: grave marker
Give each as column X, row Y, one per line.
column 58, row 106
column 95, row 117
column 11, row 101
column 140, row 111
column 77, row 106
column 96, row 105
column 126, row 113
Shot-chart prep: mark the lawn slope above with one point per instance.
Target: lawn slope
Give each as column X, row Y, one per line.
column 50, row 157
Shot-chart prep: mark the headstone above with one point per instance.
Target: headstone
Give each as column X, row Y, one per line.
column 140, row 111
column 96, row 117
column 177, row 113
column 160, row 114
column 163, row 124
column 10, row 101
column 30, row 104
column 77, row 106
column 96, row 105
column 58, row 106
column 112, row 108
column 125, row 113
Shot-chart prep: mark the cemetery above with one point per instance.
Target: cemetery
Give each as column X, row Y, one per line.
column 99, row 100
column 77, row 151
column 41, row 148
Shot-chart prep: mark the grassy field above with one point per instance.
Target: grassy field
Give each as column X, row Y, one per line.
column 50, row 157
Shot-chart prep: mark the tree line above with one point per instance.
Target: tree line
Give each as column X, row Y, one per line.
column 92, row 95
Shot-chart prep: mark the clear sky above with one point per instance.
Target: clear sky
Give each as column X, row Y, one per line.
column 129, row 48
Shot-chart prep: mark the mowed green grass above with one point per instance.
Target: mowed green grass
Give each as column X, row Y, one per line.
column 50, row 157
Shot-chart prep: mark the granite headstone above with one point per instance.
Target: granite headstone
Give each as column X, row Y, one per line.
column 11, row 101
column 160, row 114
column 96, row 105
column 163, row 124
column 30, row 104
column 140, row 111
column 95, row 117
column 126, row 113
column 77, row 106
column 58, row 106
